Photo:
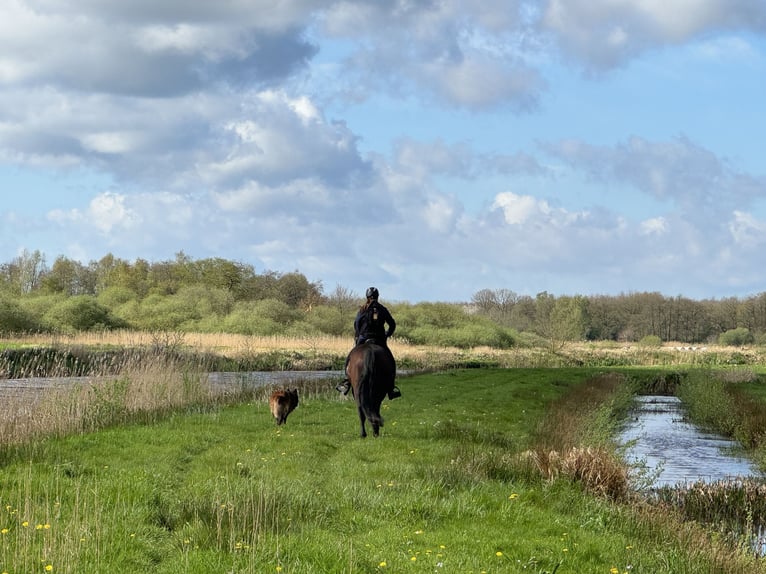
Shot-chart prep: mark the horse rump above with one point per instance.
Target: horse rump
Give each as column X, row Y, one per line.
column 282, row 403
column 371, row 372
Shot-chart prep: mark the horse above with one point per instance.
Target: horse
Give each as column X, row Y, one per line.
column 371, row 370
column 282, row 403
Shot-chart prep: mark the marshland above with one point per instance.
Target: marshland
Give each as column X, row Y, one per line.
column 492, row 461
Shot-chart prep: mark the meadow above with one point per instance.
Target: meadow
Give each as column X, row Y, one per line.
column 477, row 470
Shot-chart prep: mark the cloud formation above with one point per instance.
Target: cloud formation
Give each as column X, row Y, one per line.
column 221, row 129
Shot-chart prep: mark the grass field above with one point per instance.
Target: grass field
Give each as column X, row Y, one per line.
column 456, row 483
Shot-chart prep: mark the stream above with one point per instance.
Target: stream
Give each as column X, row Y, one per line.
column 676, row 452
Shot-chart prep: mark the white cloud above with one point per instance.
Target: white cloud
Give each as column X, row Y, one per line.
column 654, row 226
column 606, row 33
column 746, row 230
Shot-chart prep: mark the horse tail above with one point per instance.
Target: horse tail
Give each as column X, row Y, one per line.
column 367, row 390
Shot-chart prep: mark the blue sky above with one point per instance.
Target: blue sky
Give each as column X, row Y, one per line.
column 431, row 148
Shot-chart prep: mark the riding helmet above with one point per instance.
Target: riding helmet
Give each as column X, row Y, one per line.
column 372, row 293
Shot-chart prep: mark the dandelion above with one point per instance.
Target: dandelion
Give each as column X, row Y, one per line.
column 25, row 523
column 514, row 496
column 498, row 553
column 278, row 568
column 38, row 527
column 49, row 567
column 614, row 570
column 414, row 559
column 47, row 526
column 382, row 564
column 418, row 532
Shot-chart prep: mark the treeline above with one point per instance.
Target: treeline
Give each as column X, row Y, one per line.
column 219, row 295
column 628, row 317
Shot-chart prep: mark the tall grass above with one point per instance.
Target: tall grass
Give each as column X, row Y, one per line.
column 323, row 352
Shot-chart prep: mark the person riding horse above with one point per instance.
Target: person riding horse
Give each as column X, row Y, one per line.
column 370, row 326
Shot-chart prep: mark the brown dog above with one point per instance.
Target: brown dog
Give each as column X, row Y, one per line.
column 282, row 403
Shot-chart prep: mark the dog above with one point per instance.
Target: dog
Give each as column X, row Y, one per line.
column 282, row 403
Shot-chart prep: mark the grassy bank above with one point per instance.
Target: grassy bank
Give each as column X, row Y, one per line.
column 476, row 471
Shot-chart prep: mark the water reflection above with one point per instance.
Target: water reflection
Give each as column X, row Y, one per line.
column 676, row 452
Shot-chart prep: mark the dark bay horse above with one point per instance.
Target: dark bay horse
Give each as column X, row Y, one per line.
column 371, row 370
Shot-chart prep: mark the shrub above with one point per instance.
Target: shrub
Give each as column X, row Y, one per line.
column 736, row 337
column 650, row 341
column 15, row 319
column 79, row 313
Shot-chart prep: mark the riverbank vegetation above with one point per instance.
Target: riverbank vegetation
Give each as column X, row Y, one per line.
column 478, row 470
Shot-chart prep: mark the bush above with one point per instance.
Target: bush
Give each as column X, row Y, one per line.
column 650, row 341
column 736, row 337
column 15, row 319
column 80, row 313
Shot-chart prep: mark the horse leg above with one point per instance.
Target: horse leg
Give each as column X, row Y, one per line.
column 362, row 418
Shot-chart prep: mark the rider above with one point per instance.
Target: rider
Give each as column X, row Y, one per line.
column 369, row 325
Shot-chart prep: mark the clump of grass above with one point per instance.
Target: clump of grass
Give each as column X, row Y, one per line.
column 736, row 507
column 598, row 470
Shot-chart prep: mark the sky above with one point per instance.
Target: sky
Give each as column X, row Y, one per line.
column 430, row 148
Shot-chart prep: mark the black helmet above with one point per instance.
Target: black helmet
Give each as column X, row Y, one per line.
column 372, row 293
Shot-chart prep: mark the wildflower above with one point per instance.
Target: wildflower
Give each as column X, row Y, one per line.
column 47, row 526
column 498, row 553
column 513, row 496
column 4, row 531
column 414, row 559
column 418, row 532
column 382, row 564
column 614, row 570
column 39, row 527
column 25, row 523
column 278, row 568
column 49, row 567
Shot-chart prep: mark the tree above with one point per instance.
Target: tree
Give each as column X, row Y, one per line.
column 69, row 277
column 561, row 320
column 27, row 271
column 345, row 302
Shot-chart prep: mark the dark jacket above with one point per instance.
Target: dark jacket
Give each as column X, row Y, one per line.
column 370, row 323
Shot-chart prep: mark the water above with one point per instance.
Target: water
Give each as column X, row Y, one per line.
column 675, row 451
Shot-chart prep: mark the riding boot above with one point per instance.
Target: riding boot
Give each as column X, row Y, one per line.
column 394, row 393
column 344, row 386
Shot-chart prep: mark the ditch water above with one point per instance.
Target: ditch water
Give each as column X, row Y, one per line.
column 676, row 452
column 31, row 389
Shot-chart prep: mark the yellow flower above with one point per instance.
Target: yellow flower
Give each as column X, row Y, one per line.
column 498, row 553
column 25, row 524
column 414, row 558
column 513, row 496
column 4, row 531
column 49, row 567
column 614, row 570
column 382, row 564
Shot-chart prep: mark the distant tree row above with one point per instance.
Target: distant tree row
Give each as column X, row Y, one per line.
column 627, row 317
column 219, row 295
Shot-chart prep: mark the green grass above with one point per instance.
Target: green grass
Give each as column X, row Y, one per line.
column 442, row 490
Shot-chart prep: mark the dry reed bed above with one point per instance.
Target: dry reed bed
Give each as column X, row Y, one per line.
column 573, row 354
